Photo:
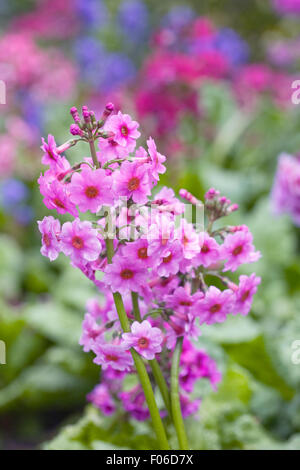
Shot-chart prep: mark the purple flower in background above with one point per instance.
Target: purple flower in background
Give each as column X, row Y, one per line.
column 23, row 214
column 13, row 196
column 118, row 69
column 286, row 188
column 92, row 13
column 289, row 7
column 12, row 193
column 90, row 54
column 104, row 70
column 178, row 17
column 133, row 20
column 232, row 46
column 32, row 111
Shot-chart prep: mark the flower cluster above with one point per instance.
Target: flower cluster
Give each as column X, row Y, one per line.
column 286, row 188
column 153, row 263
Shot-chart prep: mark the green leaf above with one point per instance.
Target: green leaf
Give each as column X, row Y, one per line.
column 94, row 431
column 55, row 322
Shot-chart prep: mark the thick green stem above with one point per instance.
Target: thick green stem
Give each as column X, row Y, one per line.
column 156, row 370
column 94, row 154
column 162, row 384
column 175, row 398
column 135, row 306
column 139, row 364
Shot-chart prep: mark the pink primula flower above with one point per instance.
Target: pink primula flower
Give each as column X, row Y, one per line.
column 56, row 196
column 50, row 230
column 157, row 159
column 215, row 306
column 113, row 355
column 125, row 130
column 244, row 293
column 171, row 261
column 51, row 155
column 125, row 274
column 144, row 338
column 132, row 181
column 90, row 189
column 80, row 241
column 238, row 249
column 210, row 252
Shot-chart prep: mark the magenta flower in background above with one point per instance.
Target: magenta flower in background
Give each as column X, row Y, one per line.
column 112, row 355
column 80, row 241
column 215, row 306
column 8, row 149
column 188, row 406
column 238, row 249
column 144, row 338
column 286, row 188
column 100, row 397
column 134, row 403
column 90, row 189
column 196, row 364
column 50, row 230
column 91, row 332
column 99, row 311
column 287, row 6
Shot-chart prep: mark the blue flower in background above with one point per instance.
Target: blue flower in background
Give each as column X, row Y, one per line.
column 13, row 197
column 104, row 70
column 12, row 193
column 178, row 17
column 233, row 46
column 92, row 13
column 33, row 111
column 120, row 70
column 23, row 214
column 133, row 20
column 90, row 54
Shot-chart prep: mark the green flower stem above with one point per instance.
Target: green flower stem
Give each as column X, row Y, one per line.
column 162, row 384
column 156, row 370
column 139, row 364
column 136, row 307
column 94, row 154
column 175, row 399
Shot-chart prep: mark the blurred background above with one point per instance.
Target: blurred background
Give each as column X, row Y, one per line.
column 211, row 82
